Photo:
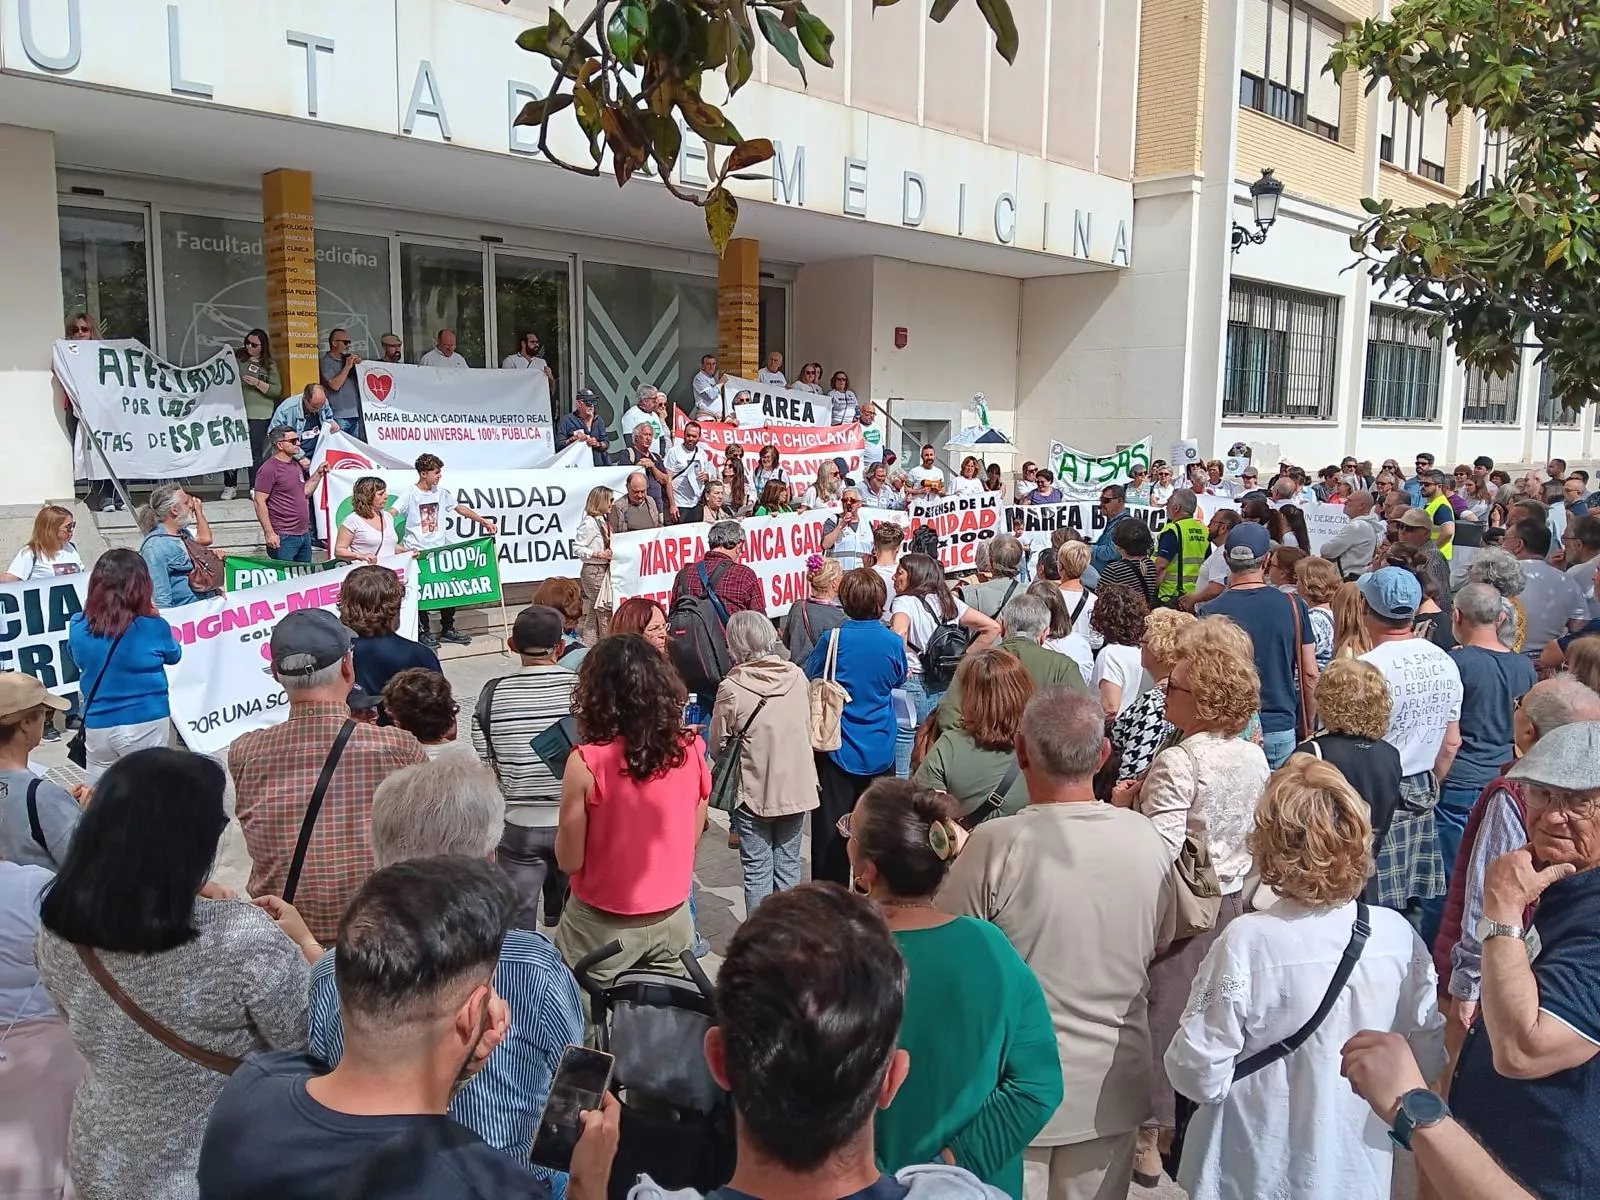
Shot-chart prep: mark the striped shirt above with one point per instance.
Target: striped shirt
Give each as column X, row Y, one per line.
column 502, row 1102
column 524, row 705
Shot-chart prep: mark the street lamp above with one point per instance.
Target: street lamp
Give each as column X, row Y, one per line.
column 1264, row 194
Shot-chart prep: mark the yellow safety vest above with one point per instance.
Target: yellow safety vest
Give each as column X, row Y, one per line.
column 1193, row 542
column 1433, row 506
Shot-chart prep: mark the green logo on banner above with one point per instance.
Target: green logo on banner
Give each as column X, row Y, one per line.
column 463, row 573
column 240, row 571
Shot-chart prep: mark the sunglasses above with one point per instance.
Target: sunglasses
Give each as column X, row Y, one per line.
column 293, row 437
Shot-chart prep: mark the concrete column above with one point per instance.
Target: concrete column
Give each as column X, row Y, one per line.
column 290, row 253
column 739, row 308
column 31, row 319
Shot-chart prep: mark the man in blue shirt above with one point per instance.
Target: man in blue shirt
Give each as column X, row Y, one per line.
column 337, row 369
column 165, row 550
column 582, row 425
column 1413, row 485
column 1114, row 508
column 309, row 414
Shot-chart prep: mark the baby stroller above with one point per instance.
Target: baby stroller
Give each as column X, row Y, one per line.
column 677, row 1124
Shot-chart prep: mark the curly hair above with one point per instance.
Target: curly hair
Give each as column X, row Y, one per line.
column 362, row 495
column 565, row 596
column 627, row 690
column 1353, row 698
column 1316, row 579
column 1499, row 569
column 428, row 462
column 369, row 601
column 419, row 700
column 995, row 688
column 1223, row 681
column 1312, row 840
column 1119, row 614
column 1163, row 633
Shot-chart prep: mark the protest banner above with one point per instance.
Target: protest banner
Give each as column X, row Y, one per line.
column 1081, row 475
column 463, row 573
column 781, row 405
column 961, row 523
column 474, row 420
column 775, row 548
column 801, row 449
column 241, row 571
column 33, row 628
column 1323, row 521
column 223, row 684
column 152, row 420
column 536, row 512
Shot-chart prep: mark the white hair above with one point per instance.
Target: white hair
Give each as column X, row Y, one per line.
column 317, row 680
column 449, row 805
column 750, row 635
column 1026, row 616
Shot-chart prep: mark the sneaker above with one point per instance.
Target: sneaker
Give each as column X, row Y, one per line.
column 116, row 502
column 52, row 734
column 228, row 493
column 455, row 637
column 428, row 640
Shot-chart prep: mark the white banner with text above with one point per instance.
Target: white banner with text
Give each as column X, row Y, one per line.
column 474, row 420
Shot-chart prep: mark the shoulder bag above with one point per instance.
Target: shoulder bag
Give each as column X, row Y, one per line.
column 291, row 882
column 207, row 573
column 78, row 745
column 222, row 1064
column 1197, row 893
column 1303, row 727
column 828, row 698
column 728, row 771
column 991, row 804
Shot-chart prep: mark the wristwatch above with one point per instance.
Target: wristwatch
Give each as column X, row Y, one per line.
column 1489, row 929
column 1419, row 1108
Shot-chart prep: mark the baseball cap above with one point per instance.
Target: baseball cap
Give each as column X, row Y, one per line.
column 305, row 642
column 1567, row 758
column 1392, row 592
column 587, row 396
column 537, row 628
column 361, row 700
column 1247, row 544
column 19, row 693
column 1415, row 518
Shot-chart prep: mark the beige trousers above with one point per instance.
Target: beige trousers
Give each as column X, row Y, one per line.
column 1101, row 1169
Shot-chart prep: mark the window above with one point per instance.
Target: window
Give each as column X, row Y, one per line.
column 1487, row 399
column 1551, row 410
column 103, row 270
column 1286, row 46
column 531, row 296
column 441, row 287
column 1414, row 141
column 1494, row 157
column 1282, row 346
column 1403, row 356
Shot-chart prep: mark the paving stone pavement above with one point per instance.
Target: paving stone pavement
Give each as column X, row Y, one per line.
column 719, row 890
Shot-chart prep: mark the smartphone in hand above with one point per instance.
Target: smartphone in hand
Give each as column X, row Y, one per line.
column 581, row 1081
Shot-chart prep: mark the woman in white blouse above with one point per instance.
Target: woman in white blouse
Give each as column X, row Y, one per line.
column 1292, row 1127
column 828, row 488
column 368, row 533
column 51, row 550
column 970, row 480
column 1205, row 787
column 592, row 540
column 843, row 405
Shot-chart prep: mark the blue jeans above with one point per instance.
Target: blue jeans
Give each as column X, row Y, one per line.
column 1450, row 818
column 1278, row 746
column 769, row 852
column 906, row 739
column 292, row 547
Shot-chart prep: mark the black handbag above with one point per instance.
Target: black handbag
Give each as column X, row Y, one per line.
column 77, row 744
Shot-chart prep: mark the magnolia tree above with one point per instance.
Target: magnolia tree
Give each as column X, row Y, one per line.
column 1519, row 254
column 630, row 68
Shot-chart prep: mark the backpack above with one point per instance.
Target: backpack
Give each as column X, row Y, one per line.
column 942, row 655
column 925, row 540
column 697, row 633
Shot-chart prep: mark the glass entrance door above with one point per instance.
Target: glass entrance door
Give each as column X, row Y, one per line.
column 533, row 296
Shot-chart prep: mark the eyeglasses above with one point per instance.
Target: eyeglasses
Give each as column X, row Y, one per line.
column 341, row 341
column 81, row 329
column 293, row 437
column 1107, row 499
column 71, row 525
column 1577, row 807
column 252, row 343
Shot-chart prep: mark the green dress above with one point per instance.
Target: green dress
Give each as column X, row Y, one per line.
column 985, row 1070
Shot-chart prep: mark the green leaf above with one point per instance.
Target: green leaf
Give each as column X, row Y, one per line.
column 627, row 30
column 1526, row 203
column 816, row 37
column 941, row 9
column 667, row 139
column 781, row 39
column 535, row 111
column 1004, row 26
column 1556, row 253
column 535, row 39
column 707, row 120
column 669, row 33
column 748, row 153
column 722, row 214
column 1368, row 204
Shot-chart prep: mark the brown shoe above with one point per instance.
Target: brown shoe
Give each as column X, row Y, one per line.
column 1147, row 1169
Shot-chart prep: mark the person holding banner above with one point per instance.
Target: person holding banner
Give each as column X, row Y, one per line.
column 810, row 379
column 768, row 468
column 368, row 533
column 526, row 357
column 279, row 491
column 772, row 374
column 424, row 505
column 583, row 425
column 842, row 402
column 309, row 414
column 1181, row 548
column 592, row 540
column 706, row 390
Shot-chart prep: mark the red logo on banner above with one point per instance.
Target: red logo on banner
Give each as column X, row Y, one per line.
column 379, row 385
column 343, row 460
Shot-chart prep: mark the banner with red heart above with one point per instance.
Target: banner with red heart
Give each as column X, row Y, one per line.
column 379, row 385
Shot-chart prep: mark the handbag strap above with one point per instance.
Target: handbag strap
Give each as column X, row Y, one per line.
column 994, row 801
column 1083, row 599
column 104, row 667
column 222, row 1064
column 830, row 664
column 292, row 881
column 1341, row 976
column 485, row 714
column 34, row 828
column 751, row 719
column 1304, row 717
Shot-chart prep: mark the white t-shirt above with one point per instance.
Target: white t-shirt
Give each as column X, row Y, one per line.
column 1076, row 647
column 919, row 611
column 1425, row 690
column 918, row 475
column 707, row 394
column 1549, row 601
column 437, row 358
column 684, row 467
column 364, row 539
column 887, row 574
column 425, row 514
column 1123, row 666
column 962, row 486
column 515, row 362
column 1583, row 576
column 872, row 451
column 772, row 378
column 1080, row 624
column 636, row 417
column 1213, row 570
column 27, row 565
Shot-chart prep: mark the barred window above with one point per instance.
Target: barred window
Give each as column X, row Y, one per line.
column 1403, row 357
column 1282, row 349
column 1286, row 45
column 1551, row 410
column 1494, row 157
column 1414, row 141
column 1488, row 399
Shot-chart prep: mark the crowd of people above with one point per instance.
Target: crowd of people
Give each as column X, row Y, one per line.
column 1203, row 851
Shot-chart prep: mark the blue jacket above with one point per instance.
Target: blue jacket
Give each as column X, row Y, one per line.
column 872, row 663
column 1413, row 488
column 169, row 562
column 1103, row 552
column 135, row 685
column 292, row 412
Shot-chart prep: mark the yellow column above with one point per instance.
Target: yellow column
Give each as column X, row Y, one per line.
column 739, row 308
column 290, row 251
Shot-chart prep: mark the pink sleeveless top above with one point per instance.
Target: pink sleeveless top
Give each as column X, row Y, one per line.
column 638, row 855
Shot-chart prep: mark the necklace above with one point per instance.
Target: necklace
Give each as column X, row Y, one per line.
column 905, row 904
